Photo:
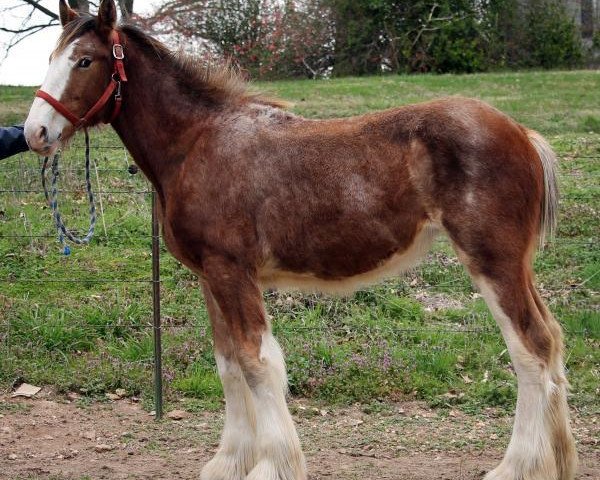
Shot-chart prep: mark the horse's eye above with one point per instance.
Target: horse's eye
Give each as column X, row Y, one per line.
column 84, row 63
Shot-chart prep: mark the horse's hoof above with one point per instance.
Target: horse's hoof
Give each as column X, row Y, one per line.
column 504, row 472
column 227, row 466
column 268, row 470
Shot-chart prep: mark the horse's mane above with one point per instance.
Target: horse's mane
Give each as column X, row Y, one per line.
column 215, row 84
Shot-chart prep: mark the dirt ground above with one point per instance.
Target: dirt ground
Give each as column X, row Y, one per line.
column 51, row 437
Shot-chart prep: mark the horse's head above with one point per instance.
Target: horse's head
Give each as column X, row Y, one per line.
column 81, row 69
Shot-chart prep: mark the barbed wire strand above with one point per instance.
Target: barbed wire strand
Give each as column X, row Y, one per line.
column 28, row 174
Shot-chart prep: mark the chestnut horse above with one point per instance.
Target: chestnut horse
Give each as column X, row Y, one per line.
column 254, row 197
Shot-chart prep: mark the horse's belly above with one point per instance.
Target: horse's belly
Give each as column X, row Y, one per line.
column 272, row 275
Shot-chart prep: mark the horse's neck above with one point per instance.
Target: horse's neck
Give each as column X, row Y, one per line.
column 157, row 124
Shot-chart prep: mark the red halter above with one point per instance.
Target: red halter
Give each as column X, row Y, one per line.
column 116, row 78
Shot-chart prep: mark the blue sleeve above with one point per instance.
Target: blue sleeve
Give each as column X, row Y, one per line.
column 12, row 141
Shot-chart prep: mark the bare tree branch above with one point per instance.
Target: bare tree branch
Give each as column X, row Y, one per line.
column 36, row 5
column 23, row 25
column 17, row 40
column 32, row 27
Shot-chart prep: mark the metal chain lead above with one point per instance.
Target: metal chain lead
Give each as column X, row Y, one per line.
column 52, row 199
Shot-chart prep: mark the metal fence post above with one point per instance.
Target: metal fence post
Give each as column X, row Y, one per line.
column 158, row 400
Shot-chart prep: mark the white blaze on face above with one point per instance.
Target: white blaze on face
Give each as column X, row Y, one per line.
column 42, row 115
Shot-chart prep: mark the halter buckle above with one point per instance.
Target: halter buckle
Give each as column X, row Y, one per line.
column 118, row 92
column 118, row 51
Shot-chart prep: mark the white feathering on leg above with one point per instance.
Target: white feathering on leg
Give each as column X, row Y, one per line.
column 236, row 454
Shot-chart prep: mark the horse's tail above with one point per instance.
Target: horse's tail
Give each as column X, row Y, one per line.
column 549, row 212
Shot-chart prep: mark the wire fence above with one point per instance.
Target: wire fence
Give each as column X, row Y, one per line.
column 114, row 283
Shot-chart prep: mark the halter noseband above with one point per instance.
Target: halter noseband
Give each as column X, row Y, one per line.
column 116, row 78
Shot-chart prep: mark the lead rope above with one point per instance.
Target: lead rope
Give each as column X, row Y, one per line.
column 52, row 199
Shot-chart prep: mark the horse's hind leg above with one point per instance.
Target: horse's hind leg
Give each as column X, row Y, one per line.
column 277, row 453
column 541, row 446
column 236, row 455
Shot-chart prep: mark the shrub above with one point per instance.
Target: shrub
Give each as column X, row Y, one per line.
column 552, row 36
column 275, row 39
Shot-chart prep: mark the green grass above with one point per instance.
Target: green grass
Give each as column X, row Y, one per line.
column 557, row 102
column 428, row 335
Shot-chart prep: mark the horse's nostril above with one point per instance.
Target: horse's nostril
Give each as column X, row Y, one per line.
column 43, row 134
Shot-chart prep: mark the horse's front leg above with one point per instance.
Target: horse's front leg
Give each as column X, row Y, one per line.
column 277, row 453
column 236, row 454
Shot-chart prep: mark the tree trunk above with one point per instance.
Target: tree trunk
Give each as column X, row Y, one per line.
column 80, row 5
column 587, row 19
column 126, row 7
column 574, row 10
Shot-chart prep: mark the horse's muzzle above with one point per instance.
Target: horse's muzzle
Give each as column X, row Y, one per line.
column 39, row 139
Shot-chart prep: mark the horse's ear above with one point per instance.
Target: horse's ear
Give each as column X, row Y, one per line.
column 66, row 13
column 107, row 16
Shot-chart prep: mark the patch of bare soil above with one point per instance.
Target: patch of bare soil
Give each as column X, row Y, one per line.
column 52, row 438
